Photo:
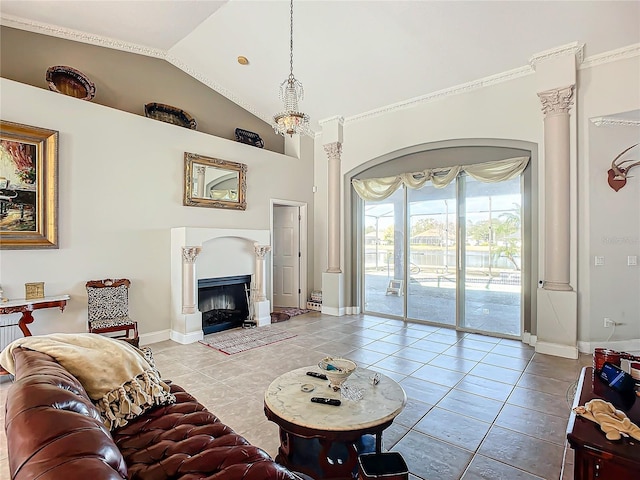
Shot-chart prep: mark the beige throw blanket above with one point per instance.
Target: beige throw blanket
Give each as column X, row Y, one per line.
column 115, row 374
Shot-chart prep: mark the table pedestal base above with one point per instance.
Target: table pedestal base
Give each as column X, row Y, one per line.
column 322, row 457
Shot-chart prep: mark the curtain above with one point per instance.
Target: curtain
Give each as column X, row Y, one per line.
column 497, row 171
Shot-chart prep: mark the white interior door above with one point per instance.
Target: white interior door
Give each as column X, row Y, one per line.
column 286, row 256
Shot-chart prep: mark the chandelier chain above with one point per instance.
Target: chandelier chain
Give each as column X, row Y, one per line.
column 291, row 120
column 291, row 43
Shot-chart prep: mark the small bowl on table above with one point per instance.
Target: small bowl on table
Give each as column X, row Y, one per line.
column 337, row 370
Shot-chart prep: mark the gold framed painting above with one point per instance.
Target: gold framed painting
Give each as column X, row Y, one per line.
column 28, row 187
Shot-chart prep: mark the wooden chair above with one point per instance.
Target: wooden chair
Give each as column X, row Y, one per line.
column 108, row 308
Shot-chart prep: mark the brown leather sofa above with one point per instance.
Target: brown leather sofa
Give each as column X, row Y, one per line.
column 55, row 432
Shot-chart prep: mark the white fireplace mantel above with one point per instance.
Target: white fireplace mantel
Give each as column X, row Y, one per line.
column 220, row 253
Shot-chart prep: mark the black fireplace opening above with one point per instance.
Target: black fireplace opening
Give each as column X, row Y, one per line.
column 224, row 302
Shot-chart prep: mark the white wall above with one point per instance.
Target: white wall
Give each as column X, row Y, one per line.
column 610, row 220
column 509, row 110
column 506, row 111
column 120, row 192
column 512, row 111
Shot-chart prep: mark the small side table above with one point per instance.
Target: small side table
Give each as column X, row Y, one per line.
column 27, row 306
column 306, row 427
column 595, row 456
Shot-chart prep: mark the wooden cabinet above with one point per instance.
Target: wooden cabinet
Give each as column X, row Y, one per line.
column 595, row 456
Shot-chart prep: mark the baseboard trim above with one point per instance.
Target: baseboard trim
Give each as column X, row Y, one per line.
column 557, row 350
column 154, row 337
column 192, row 337
column 632, row 345
column 336, row 312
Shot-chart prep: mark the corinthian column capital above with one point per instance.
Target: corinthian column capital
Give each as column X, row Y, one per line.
column 261, row 250
column 558, row 100
column 333, row 150
column 189, row 254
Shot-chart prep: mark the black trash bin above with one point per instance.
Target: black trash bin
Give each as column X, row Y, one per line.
column 386, row 466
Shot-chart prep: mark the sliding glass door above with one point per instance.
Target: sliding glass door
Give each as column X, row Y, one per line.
column 384, row 255
column 491, row 286
column 448, row 256
column 432, row 254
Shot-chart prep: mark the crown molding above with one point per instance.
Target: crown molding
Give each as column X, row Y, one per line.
column 78, row 36
column 335, row 118
column 446, row 92
column 614, row 122
column 629, row 51
column 573, row 48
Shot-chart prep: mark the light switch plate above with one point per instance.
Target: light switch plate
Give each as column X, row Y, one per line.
column 632, row 260
column 599, row 261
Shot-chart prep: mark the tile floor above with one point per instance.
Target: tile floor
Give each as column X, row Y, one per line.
column 478, row 407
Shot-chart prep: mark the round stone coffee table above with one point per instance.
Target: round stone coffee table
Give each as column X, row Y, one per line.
column 324, row 440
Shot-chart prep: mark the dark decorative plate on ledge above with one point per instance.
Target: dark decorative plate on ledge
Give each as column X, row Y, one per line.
column 71, row 82
column 169, row 114
column 250, row 138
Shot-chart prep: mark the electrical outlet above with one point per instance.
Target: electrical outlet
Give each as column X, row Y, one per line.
column 598, row 261
column 632, row 260
column 608, row 322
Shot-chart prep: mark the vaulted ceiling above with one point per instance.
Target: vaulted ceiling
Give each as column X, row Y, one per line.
column 352, row 56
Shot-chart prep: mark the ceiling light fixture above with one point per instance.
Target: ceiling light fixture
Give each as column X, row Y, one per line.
column 291, row 120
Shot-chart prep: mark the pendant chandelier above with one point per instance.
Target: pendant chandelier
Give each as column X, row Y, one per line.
column 291, row 120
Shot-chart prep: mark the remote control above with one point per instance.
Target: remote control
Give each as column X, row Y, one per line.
column 317, row 375
column 326, row 401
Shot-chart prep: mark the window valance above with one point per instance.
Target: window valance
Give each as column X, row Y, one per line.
column 495, row 171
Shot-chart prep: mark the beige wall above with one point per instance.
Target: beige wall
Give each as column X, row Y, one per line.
column 120, row 185
column 508, row 111
column 127, row 81
column 511, row 111
column 610, row 220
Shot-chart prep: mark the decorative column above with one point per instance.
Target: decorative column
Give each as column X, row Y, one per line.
column 189, row 255
column 333, row 287
column 554, row 329
column 261, row 306
column 200, row 171
column 261, row 251
column 333, row 151
column 555, row 106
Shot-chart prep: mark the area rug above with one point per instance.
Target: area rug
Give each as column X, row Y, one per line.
column 241, row 340
column 291, row 311
column 279, row 317
column 280, row 314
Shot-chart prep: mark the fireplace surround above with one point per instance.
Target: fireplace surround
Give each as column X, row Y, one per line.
column 200, row 253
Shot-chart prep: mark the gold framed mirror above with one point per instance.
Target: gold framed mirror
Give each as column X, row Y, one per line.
column 214, row 183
